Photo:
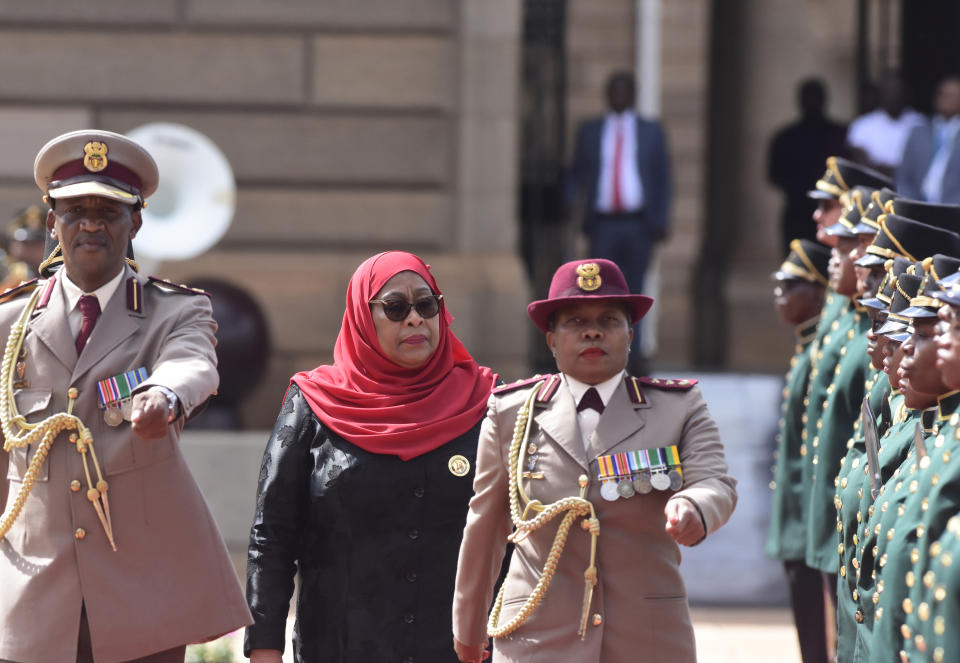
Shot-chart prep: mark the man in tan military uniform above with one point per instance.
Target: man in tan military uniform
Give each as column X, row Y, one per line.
column 630, row 467
column 109, row 552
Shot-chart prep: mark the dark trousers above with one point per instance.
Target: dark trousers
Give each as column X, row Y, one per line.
column 85, row 651
column 806, row 599
column 624, row 239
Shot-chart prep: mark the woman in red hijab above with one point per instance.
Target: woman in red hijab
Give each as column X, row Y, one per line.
column 365, row 481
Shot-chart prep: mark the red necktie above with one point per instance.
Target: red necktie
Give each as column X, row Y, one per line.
column 591, row 399
column 90, row 308
column 617, row 154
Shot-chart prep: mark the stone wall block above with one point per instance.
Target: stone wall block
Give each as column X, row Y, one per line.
column 488, row 182
column 384, row 218
column 384, row 71
column 25, row 129
column 419, row 15
column 89, row 12
column 101, row 67
column 492, row 89
column 302, row 148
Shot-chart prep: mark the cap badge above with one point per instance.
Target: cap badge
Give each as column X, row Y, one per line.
column 588, row 276
column 95, row 156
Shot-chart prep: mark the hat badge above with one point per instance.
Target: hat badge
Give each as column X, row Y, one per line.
column 95, row 156
column 588, row 276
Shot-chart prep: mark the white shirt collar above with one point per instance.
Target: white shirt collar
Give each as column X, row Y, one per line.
column 605, row 388
column 72, row 292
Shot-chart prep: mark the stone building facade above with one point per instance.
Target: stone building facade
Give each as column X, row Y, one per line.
column 357, row 126
column 351, row 128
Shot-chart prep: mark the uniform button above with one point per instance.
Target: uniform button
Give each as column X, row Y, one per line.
column 418, row 492
column 75, row 485
column 79, row 534
column 411, row 576
column 409, row 618
column 413, row 534
column 858, row 616
column 597, row 619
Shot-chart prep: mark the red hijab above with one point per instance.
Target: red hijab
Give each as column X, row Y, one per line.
column 379, row 405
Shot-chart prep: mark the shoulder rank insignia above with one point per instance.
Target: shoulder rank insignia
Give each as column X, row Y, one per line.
column 669, row 385
column 169, row 286
column 18, row 290
column 547, row 389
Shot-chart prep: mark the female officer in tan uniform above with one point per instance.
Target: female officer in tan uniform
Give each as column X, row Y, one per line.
column 596, row 476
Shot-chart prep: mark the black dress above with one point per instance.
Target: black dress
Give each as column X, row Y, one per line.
column 376, row 539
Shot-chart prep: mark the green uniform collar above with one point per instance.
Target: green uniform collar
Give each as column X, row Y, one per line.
column 947, row 404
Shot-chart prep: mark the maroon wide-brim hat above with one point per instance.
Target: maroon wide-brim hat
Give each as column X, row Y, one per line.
column 592, row 280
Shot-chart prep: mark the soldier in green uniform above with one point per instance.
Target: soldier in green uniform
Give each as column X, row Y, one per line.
column 931, row 607
column 850, row 478
column 798, row 297
column 834, row 194
column 832, row 426
column 836, row 321
column 24, row 244
column 899, row 237
column 898, row 527
column 895, row 444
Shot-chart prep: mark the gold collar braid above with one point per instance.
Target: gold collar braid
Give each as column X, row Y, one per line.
column 43, row 433
column 573, row 506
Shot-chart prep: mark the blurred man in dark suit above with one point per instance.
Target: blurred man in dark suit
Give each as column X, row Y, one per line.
column 622, row 172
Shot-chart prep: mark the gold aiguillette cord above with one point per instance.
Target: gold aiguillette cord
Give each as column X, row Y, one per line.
column 571, row 507
column 98, row 495
column 18, row 433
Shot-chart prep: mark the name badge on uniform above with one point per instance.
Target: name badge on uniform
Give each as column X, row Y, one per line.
column 116, row 394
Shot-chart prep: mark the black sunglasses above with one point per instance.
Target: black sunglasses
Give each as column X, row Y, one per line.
column 398, row 309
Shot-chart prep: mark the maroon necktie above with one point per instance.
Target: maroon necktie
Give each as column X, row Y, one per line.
column 591, row 399
column 90, row 308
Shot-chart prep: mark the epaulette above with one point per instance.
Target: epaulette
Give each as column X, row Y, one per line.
column 17, row 290
column 547, row 389
column 170, row 286
column 669, row 385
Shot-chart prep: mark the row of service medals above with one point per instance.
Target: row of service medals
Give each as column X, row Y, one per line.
column 116, row 395
column 630, row 472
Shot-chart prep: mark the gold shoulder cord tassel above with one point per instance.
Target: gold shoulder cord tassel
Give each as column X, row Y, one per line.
column 43, row 433
column 573, row 506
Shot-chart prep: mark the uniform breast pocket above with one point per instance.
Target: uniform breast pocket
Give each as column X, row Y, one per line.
column 31, row 403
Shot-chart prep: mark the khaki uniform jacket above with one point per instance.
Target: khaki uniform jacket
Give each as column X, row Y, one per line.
column 640, row 601
column 170, row 581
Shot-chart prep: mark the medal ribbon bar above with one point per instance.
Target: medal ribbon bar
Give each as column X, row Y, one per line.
column 119, row 388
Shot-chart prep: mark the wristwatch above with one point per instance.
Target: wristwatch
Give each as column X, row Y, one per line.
column 173, row 403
